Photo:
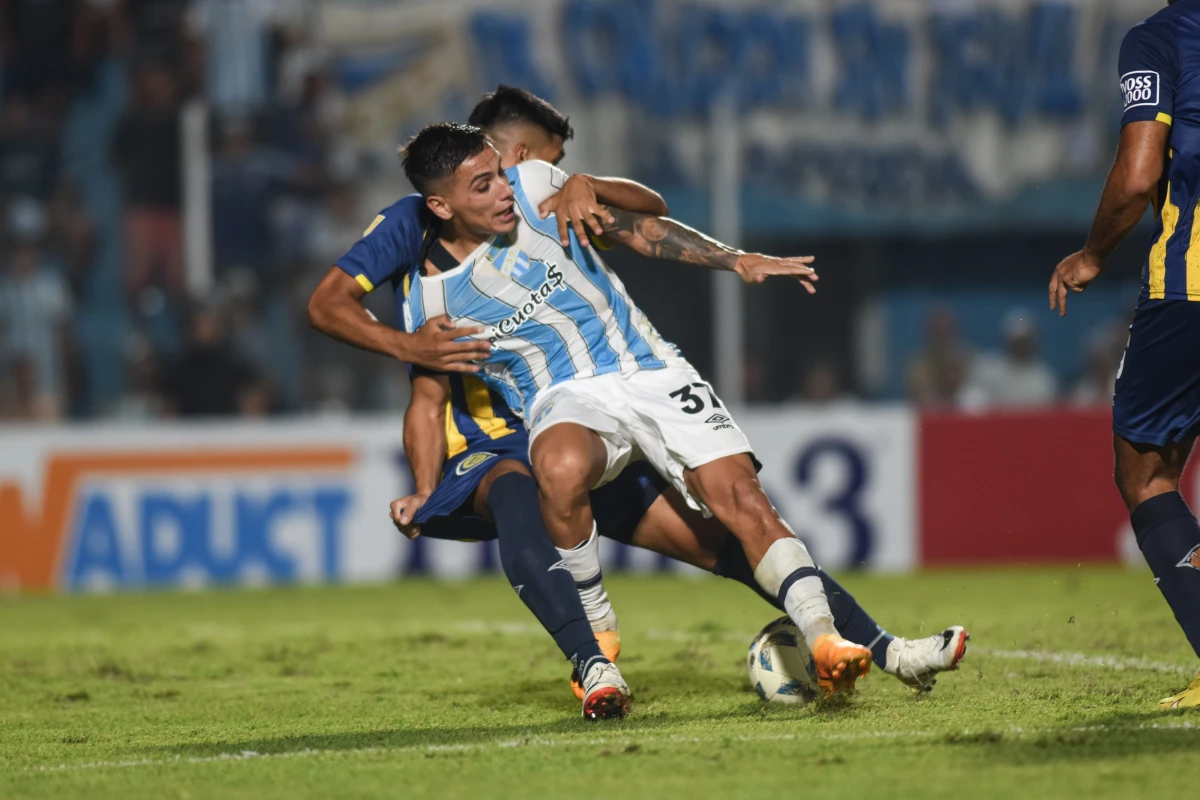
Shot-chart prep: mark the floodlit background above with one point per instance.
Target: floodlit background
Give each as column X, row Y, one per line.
column 176, row 176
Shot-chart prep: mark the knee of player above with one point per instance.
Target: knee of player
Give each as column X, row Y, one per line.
column 563, row 474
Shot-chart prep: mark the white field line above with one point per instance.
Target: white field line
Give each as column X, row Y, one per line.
column 535, row 742
column 1082, row 659
column 1118, row 663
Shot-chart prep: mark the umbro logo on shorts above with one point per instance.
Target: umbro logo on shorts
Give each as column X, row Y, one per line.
column 471, row 462
column 720, row 422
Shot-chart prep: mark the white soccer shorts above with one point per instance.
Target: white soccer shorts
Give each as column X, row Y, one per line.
column 669, row 416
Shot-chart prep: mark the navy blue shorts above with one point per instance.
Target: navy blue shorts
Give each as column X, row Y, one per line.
column 617, row 506
column 1157, row 398
column 463, row 473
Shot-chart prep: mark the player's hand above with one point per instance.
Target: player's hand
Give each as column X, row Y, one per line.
column 756, row 268
column 1072, row 274
column 433, row 347
column 403, row 511
column 576, row 205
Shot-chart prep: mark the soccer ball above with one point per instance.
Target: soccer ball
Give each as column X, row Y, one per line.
column 781, row 668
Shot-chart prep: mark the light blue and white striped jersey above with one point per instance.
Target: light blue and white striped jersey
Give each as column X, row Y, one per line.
column 551, row 314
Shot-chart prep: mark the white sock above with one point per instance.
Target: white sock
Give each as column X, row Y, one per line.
column 805, row 600
column 583, row 562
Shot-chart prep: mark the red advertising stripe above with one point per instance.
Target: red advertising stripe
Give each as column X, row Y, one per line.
column 1018, row 488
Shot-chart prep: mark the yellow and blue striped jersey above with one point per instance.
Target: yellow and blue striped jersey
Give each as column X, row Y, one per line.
column 1160, row 81
column 390, row 251
column 475, row 414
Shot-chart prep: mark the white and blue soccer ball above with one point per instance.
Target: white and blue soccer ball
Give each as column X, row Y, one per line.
column 781, row 668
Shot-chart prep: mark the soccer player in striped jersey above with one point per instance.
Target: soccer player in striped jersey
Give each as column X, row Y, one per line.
column 461, row 439
column 1156, row 407
column 594, row 382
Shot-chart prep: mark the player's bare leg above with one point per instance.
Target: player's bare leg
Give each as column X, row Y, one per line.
column 1143, row 471
column 568, row 459
column 729, row 487
column 1167, row 533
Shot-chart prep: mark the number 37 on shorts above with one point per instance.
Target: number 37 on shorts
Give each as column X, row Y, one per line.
column 669, row 416
column 692, row 399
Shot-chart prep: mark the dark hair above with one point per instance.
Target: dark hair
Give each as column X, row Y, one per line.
column 437, row 150
column 509, row 104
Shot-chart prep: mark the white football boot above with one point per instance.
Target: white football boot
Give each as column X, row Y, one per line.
column 606, row 695
column 916, row 661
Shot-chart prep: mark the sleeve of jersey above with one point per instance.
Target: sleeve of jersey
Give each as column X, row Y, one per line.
column 1149, row 68
column 541, row 181
column 388, row 246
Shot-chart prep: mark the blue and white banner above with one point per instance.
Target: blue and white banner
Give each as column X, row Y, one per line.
column 852, row 113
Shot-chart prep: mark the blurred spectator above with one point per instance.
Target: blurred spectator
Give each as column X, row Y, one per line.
column 156, row 31
column 72, row 237
column 94, row 34
column 35, row 40
column 335, row 390
column 18, row 392
column 1105, row 348
column 245, row 180
column 210, row 379
column 754, row 379
column 29, row 153
column 140, row 402
column 937, row 376
column 34, row 309
column 336, row 226
column 147, row 151
column 247, row 332
column 300, row 58
column 821, row 384
column 236, row 37
column 1016, row 377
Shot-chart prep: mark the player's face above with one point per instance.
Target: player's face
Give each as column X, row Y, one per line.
column 479, row 197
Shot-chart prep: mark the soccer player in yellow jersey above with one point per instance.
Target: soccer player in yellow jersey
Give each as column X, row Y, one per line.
column 1156, row 408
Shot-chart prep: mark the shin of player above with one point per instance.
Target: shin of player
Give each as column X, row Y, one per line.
column 569, row 459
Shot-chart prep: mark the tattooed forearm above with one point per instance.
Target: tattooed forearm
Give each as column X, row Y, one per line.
column 667, row 239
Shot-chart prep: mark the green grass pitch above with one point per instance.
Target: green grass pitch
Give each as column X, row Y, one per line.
column 447, row 690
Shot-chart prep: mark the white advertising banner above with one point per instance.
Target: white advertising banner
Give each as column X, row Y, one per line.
column 107, row 507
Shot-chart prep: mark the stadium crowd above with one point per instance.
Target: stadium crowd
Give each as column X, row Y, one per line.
column 92, row 236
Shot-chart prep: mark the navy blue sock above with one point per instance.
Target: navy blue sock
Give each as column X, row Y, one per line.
column 853, row 622
column 531, row 563
column 1169, row 537
column 732, row 564
column 848, row 616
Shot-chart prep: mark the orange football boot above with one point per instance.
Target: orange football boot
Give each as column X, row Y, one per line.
column 610, row 645
column 839, row 663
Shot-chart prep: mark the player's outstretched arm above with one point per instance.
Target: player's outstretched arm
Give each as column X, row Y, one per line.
column 336, row 310
column 580, row 204
column 659, row 237
column 424, row 445
column 1131, row 186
